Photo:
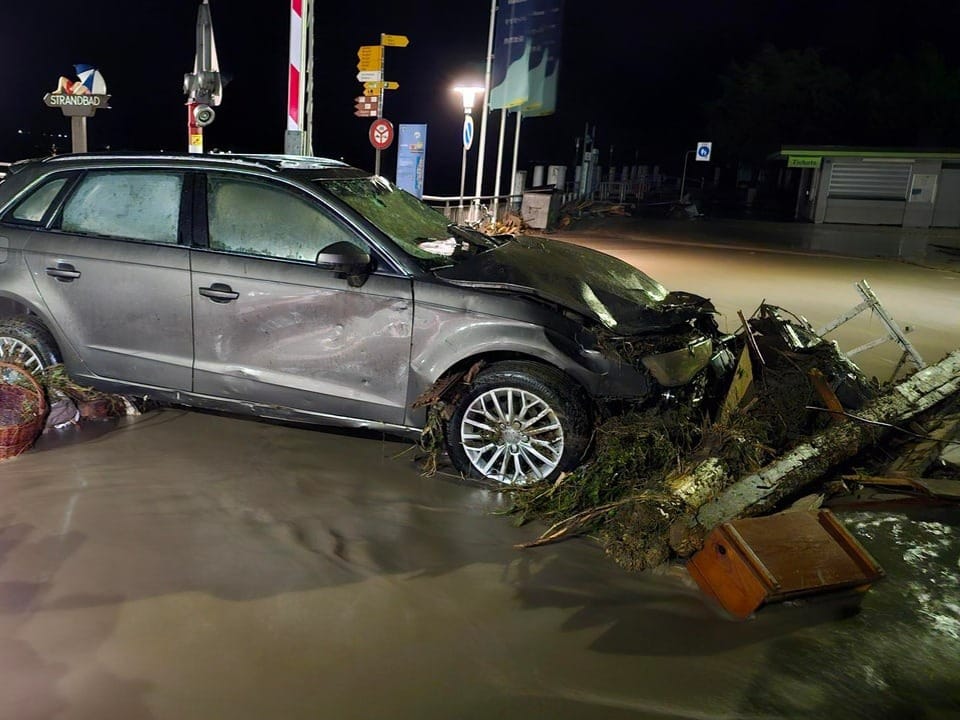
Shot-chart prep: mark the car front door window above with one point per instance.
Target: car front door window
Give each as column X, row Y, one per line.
column 255, row 218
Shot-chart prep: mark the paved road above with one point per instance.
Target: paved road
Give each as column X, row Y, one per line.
column 183, row 565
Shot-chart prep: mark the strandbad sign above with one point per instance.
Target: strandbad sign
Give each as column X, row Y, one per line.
column 62, row 99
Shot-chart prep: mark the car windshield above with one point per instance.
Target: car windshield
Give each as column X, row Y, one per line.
column 419, row 230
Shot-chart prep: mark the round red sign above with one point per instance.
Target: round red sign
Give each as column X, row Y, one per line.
column 381, row 133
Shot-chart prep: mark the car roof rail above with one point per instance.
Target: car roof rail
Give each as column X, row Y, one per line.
column 273, row 163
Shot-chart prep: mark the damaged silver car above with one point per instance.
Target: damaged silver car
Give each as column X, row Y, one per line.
column 306, row 290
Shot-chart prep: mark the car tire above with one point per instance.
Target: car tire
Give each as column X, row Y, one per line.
column 518, row 423
column 25, row 341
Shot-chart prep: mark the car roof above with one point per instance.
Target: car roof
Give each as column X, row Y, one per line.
column 319, row 167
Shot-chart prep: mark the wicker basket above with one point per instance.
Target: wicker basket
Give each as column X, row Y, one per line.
column 14, row 399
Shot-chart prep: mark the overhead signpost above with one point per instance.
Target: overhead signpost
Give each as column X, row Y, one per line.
column 394, row 40
column 371, row 58
column 366, row 106
column 370, row 104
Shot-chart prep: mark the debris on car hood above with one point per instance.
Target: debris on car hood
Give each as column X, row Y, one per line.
column 617, row 295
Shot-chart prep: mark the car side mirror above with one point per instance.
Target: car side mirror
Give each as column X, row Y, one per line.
column 346, row 260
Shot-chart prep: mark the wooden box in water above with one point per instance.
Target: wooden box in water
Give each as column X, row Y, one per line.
column 747, row 563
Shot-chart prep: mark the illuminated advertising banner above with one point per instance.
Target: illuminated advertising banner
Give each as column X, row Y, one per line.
column 526, row 56
column 411, row 156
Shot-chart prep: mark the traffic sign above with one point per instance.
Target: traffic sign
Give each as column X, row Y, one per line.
column 381, row 85
column 703, row 151
column 467, row 132
column 381, row 133
column 394, row 40
column 371, row 57
column 366, row 106
column 370, row 75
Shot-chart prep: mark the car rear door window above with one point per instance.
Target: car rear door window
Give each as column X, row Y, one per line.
column 257, row 218
column 133, row 205
column 34, row 207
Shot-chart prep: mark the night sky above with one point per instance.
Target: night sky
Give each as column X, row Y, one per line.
column 640, row 72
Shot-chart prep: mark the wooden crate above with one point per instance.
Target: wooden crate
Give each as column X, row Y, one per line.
column 747, row 563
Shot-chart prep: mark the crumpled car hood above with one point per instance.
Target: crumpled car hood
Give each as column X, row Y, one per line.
column 619, row 296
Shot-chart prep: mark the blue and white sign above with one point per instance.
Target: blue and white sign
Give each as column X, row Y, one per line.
column 703, row 151
column 411, row 155
column 467, row 132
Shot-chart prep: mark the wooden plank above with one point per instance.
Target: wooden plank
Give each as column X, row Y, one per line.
column 884, row 481
column 918, row 457
column 944, row 489
column 827, row 394
column 741, row 386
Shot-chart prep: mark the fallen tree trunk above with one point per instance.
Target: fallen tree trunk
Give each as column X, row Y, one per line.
column 760, row 492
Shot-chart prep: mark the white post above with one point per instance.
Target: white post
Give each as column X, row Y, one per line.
column 294, row 141
column 486, row 106
column 516, row 147
column 308, row 79
column 463, row 179
column 496, row 184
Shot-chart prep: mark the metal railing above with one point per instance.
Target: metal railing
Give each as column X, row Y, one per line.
column 475, row 209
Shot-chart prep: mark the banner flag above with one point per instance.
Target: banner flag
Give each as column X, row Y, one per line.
column 509, row 86
column 545, row 30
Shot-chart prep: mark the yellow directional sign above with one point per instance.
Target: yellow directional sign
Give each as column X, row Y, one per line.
column 371, row 57
column 381, row 85
column 370, row 93
column 394, row 40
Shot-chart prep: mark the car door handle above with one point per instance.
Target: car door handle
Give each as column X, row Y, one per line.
column 63, row 272
column 219, row 293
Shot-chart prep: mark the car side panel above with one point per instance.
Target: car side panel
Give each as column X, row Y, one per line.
column 127, row 314
column 298, row 336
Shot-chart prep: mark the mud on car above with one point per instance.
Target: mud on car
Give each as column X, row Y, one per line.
column 307, row 290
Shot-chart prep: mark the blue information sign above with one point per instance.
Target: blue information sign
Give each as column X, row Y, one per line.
column 411, row 155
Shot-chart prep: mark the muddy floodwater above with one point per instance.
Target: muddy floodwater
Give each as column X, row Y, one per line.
column 183, row 566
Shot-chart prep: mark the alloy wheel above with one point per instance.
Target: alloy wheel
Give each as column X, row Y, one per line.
column 512, row 436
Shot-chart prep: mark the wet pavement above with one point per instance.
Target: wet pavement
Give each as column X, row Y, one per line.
column 186, row 565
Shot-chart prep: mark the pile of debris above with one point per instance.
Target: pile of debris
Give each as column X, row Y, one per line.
column 580, row 209
column 796, row 408
column 509, row 224
column 659, row 481
column 60, row 403
column 71, row 403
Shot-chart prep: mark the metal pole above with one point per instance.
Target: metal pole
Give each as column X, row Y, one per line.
column 78, row 134
column 496, row 184
column 516, row 152
column 486, row 107
column 686, row 156
column 463, row 179
column 376, row 162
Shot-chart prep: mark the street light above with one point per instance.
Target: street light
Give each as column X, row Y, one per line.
column 468, row 93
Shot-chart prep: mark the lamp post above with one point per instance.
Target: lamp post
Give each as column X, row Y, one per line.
column 468, row 93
